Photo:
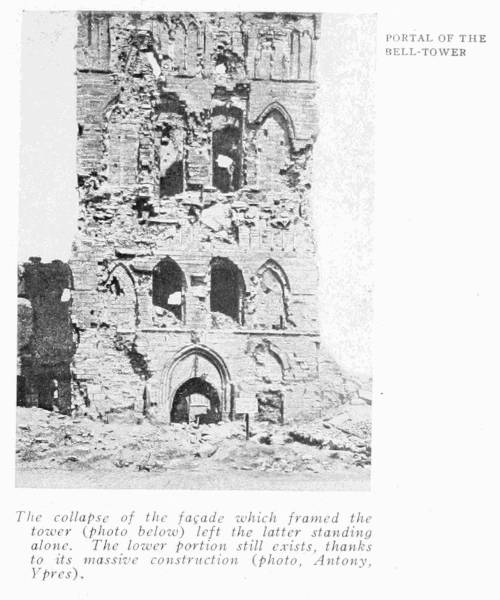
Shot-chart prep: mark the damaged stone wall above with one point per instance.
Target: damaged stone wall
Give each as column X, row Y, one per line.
column 195, row 138
column 45, row 337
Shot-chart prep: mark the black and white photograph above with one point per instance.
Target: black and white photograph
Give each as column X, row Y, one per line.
column 195, row 252
column 250, row 260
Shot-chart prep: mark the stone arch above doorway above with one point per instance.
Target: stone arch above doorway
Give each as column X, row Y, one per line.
column 196, row 362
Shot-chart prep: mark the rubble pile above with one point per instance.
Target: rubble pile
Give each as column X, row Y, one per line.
column 49, row 439
column 221, row 321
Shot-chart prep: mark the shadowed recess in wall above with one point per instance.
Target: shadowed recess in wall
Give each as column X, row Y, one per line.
column 195, row 400
column 169, row 284
column 226, row 289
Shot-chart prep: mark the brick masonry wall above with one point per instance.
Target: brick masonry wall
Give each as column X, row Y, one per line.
column 152, row 85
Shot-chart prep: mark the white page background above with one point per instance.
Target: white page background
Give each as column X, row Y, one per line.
column 436, row 334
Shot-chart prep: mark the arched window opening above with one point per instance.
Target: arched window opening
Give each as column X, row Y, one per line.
column 269, row 306
column 120, row 299
column 226, row 290
column 172, row 157
column 271, row 312
column 196, row 400
column 227, row 148
column 180, row 48
column 274, row 150
column 268, row 363
column 169, row 287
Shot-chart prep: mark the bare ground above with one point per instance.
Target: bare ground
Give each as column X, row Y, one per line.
column 57, row 451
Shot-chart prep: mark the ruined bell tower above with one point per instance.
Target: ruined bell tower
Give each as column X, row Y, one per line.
column 195, row 279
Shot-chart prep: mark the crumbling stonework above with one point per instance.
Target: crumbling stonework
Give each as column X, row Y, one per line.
column 194, row 268
column 45, row 338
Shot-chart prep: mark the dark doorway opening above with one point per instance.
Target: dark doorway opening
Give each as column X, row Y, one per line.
column 171, row 155
column 226, row 289
column 168, row 287
column 226, row 159
column 227, row 124
column 195, row 400
column 172, row 180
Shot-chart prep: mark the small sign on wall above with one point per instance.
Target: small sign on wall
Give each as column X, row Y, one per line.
column 245, row 405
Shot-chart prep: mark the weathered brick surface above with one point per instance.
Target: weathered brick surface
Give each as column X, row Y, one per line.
column 195, row 146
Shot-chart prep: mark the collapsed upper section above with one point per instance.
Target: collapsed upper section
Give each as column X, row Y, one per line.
column 236, row 46
column 183, row 112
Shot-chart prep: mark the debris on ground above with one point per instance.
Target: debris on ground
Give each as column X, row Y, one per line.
column 341, row 440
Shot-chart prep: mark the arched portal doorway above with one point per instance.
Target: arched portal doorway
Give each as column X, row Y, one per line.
column 196, row 370
column 195, row 400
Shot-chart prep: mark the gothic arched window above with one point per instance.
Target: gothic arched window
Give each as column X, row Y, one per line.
column 227, row 288
column 169, row 286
